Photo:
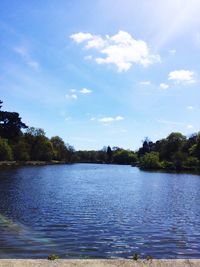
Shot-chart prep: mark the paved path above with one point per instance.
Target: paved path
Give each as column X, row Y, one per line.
column 99, row 263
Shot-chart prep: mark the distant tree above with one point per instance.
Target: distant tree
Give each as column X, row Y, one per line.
column 59, row 148
column 21, row 151
column 40, row 146
column 70, row 153
column 5, row 150
column 179, row 159
column 122, row 156
column 192, row 162
column 195, row 149
column 10, row 124
column 150, row 161
column 109, row 154
column 172, row 144
column 146, row 147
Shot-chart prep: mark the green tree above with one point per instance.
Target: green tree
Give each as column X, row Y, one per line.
column 150, row 161
column 40, row 146
column 59, row 148
column 121, row 156
column 11, row 124
column 5, row 150
column 109, row 154
column 21, row 151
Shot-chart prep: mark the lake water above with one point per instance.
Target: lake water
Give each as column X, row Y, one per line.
column 98, row 211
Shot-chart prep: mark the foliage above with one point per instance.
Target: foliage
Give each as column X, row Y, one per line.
column 109, row 154
column 150, row 161
column 59, row 148
column 10, row 124
column 176, row 152
column 136, row 257
column 121, row 156
column 5, row 150
column 18, row 142
column 21, row 151
column 53, row 257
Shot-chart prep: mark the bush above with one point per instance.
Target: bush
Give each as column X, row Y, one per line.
column 192, row 162
column 168, row 165
column 53, row 257
column 150, row 161
column 5, row 150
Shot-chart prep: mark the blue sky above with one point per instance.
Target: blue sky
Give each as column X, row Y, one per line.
column 102, row 72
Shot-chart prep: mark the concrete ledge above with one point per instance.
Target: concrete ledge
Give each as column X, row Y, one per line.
column 99, row 263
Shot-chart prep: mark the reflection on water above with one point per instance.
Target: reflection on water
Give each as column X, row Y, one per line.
column 98, row 211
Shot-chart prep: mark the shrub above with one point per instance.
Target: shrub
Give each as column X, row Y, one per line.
column 150, row 161
column 135, row 257
column 53, row 257
column 5, row 150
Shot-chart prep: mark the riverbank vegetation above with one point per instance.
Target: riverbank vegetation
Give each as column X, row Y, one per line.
column 21, row 143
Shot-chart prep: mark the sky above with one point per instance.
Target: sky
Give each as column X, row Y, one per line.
column 103, row 72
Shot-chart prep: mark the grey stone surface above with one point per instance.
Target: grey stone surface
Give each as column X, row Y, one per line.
column 98, row 263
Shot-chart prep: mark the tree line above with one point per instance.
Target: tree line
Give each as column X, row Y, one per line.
column 176, row 152
column 22, row 143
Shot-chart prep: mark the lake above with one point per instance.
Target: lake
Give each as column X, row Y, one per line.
column 98, row 211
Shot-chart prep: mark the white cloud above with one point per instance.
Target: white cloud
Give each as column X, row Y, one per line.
column 85, row 91
column 190, row 107
column 164, row 86
column 119, row 118
column 189, row 126
column 93, row 119
column 89, row 57
column 71, row 96
column 23, row 52
column 145, row 83
column 67, row 118
column 111, row 119
column 182, row 76
column 121, row 49
column 81, row 37
column 74, row 96
column 73, row 93
column 172, row 51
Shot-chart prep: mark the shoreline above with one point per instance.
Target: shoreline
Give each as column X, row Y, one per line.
column 99, row 263
column 13, row 163
column 30, row 163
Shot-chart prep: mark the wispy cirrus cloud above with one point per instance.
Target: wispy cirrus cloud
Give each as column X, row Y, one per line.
column 25, row 54
column 121, row 49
